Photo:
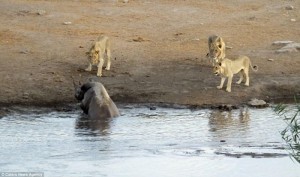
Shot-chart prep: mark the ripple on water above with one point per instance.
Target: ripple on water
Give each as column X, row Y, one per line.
column 160, row 142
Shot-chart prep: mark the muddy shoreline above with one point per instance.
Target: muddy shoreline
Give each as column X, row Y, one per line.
column 158, row 49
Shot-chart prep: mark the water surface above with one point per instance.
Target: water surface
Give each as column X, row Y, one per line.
column 145, row 143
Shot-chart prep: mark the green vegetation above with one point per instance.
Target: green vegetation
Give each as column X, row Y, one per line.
column 291, row 134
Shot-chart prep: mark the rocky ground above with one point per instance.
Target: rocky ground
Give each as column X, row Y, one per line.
column 158, row 49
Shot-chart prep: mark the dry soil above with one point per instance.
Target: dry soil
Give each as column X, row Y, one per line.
column 158, row 46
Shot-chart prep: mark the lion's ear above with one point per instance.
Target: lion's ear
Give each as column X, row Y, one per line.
column 97, row 52
column 209, row 40
column 220, row 64
column 220, row 46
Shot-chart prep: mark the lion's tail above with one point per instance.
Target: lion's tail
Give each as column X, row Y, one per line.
column 254, row 68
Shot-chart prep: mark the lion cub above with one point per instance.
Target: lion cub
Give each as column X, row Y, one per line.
column 96, row 54
column 227, row 68
column 216, row 46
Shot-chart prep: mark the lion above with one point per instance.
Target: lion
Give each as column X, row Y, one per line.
column 227, row 68
column 95, row 101
column 216, row 46
column 96, row 54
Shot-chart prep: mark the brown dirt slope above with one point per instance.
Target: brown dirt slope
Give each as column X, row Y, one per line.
column 158, row 49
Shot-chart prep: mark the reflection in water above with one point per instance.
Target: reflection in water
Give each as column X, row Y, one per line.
column 145, row 143
column 226, row 123
column 219, row 120
column 93, row 126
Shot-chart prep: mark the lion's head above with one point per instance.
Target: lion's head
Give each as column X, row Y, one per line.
column 93, row 55
column 218, row 69
column 216, row 47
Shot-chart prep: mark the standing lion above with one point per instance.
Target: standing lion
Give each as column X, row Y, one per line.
column 216, row 46
column 96, row 54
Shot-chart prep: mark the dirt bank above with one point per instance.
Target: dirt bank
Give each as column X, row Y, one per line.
column 158, row 49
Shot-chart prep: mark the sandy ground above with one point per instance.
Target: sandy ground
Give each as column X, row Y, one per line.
column 158, row 46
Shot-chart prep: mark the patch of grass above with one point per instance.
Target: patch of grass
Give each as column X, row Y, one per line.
column 291, row 134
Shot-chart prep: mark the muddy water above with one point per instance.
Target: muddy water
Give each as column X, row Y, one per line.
column 146, row 143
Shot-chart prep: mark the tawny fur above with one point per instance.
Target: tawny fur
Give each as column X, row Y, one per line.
column 216, row 46
column 97, row 52
column 227, row 68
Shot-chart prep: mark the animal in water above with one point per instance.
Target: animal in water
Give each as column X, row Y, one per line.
column 216, row 46
column 95, row 101
column 97, row 52
column 227, row 68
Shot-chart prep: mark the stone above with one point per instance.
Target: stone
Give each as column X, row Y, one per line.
column 67, row 23
column 152, row 108
column 41, row 12
column 270, row 59
column 282, row 43
column 289, row 7
column 257, row 103
column 26, row 95
column 24, row 51
column 287, row 46
column 291, row 47
column 293, row 20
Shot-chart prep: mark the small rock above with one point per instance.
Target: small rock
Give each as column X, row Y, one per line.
column 222, row 141
column 24, row 51
column 252, row 18
column 125, row 1
column 139, row 39
column 178, row 34
column 293, row 20
column 291, row 47
column 25, row 95
column 257, row 103
column 270, row 59
column 67, row 23
column 289, row 7
column 152, row 108
column 41, row 12
column 281, row 43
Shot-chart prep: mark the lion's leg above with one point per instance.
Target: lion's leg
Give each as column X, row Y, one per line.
column 228, row 88
column 241, row 77
column 108, row 59
column 100, row 65
column 89, row 68
column 222, row 82
column 246, row 72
